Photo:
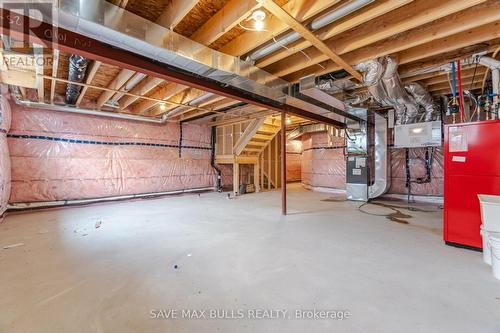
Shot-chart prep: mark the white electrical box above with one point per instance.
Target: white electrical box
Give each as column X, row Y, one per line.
column 417, row 135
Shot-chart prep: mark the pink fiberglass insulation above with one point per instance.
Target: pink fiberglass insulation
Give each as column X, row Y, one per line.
column 417, row 170
column 64, row 156
column 5, row 184
column 325, row 167
column 293, row 167
column 293, row 160
column 323, row 164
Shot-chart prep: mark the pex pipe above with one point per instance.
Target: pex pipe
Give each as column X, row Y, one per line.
column 460, row 92
column 454, row 80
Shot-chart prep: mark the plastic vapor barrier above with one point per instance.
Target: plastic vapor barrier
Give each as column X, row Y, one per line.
column 63, row 156
column 293, row 160
column 417, row 170
column 323, row 163
column 5, row 116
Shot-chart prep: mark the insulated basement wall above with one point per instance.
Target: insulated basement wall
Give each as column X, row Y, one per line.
column 63, row 156
column 417, row 170
column 4, row 153
column 293, row 160
column 323, row 163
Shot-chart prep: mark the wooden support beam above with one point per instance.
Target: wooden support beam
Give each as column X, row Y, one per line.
column 55, row 66
column 224, row 20
column 378, row 9
column 378, row 38
column 309, row 36
column 438, row 46
column 236, row 178
column 39, row 67
column 256, row 175
column 247, row 135
column 120, row 3
column 116, row 84
column 174, row 13
column 164, row 93
column 91, row 72
column 468, row 73
column 143, row 88
column 442, row 45
column 19, row 78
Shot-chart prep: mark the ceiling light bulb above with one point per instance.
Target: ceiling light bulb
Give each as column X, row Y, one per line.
column 288, row 120
column 259, row 25
column 163, row 107
column 259, row 15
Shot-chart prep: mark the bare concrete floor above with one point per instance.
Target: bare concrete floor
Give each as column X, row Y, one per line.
column 208, row 252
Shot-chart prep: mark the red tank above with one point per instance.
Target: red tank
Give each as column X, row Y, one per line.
column 471, row 167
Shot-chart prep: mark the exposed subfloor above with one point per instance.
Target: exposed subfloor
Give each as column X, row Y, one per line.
column 207, row 252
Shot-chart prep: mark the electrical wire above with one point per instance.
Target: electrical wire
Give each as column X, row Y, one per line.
column 291, row 51
column 251, row 29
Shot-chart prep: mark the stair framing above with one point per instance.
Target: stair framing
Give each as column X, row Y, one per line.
column 248, row 148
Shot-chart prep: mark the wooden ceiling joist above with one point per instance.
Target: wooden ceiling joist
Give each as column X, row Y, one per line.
column 396, row 22
column 224, row 20
column 437, row 46
column 308, row 35
column 55, row 67
column 91, row 72
column 39, row 68
column 371, row 12
column 174, row 13
column 143, row 88
column 116, row 84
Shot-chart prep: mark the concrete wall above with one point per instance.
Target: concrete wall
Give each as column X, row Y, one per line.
column 58, row 156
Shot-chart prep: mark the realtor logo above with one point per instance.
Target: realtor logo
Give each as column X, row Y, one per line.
column 21, row 25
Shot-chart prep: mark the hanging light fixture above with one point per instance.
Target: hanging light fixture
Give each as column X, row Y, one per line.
column 259, row 16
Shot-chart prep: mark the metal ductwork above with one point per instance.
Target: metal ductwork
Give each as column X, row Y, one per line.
column 76, row 73
column 318, row 23
column 90, row 10
column 424, row 99
column 301, row 130
column 381, row 179
column 383, row 83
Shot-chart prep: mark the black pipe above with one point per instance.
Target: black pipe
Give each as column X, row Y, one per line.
column 76, row 73
column 218, row 182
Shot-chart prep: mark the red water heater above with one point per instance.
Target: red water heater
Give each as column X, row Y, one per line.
column 471, row 167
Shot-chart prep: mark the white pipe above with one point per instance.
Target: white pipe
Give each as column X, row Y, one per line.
column 338, row 13
column 42, row 204
column 316, row 24
column 494, row 65
column 69, row 109
column 138, row 77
